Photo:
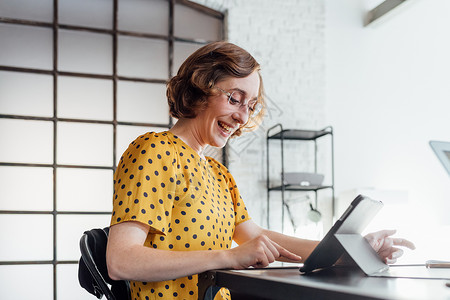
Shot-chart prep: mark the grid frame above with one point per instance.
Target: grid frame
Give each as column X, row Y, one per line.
column 115, row 33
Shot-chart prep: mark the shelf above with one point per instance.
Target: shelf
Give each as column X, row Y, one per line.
column 301, row 135
column 300, row 188
column 297, row 134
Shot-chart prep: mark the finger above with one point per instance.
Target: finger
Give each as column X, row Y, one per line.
column 270, row 252
column 390, row 261
column 397, row 253
column 379, row 244
column 290, row 256
column 404, row 243
column 390, row 256
column 383, row 233
column 392, row 252
column 283, row 252
column 261, row 263
column 387, row 244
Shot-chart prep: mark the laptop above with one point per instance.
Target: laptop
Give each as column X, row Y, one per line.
column 442, row 151
column 345, row 238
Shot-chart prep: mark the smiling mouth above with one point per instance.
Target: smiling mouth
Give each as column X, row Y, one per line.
column 225, row 127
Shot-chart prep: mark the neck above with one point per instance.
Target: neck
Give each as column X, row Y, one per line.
column 185, row 130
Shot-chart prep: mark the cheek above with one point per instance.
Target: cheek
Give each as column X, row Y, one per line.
column 219, row 110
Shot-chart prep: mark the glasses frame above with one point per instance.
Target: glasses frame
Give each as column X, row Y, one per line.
column 252, row 111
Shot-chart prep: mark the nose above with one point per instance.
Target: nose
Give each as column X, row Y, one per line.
column 241, row 115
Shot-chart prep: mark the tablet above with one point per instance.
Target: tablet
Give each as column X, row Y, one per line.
column 353, row 221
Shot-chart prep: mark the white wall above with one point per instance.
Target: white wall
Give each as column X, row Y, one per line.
column 388, row 94
column 287, row 39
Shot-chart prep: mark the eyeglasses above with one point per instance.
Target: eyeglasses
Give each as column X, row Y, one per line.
column 237, row 98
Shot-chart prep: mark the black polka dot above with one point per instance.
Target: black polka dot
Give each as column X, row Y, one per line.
column 195, row 179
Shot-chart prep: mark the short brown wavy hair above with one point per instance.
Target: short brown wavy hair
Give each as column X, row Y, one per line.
column 188, row 91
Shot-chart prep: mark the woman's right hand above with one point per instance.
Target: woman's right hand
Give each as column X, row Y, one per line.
column 259, row 252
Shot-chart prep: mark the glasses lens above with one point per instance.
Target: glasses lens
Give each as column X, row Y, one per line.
column 238, row 97
column 257, row 107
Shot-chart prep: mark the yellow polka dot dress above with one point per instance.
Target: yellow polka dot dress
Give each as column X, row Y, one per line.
column 188, row 202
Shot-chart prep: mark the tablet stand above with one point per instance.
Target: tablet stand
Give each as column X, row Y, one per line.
column 362, row 253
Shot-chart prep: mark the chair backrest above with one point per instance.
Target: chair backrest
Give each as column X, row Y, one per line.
column 92, row 270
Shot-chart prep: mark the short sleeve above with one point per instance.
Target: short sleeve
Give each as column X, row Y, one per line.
column 144, row 183
column 240, row 211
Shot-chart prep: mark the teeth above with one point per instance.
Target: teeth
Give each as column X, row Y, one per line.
column 224, row 126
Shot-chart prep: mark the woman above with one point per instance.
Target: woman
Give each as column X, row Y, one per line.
column 176, row 212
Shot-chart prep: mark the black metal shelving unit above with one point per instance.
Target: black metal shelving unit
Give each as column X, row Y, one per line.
column 297, row 135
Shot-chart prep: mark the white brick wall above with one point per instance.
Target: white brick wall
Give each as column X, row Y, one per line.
column 287, row 39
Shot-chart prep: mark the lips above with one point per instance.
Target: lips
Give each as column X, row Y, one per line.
column 225, row 127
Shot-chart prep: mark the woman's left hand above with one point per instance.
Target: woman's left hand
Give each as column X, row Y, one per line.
column 382, row 242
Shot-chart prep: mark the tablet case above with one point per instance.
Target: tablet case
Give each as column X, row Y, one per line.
column 345, row 237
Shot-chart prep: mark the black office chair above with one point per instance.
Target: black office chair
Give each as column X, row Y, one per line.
column 92, row 271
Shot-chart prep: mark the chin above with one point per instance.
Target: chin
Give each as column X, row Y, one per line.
column 219, row 145
column 220, row 142
column 219, row 139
